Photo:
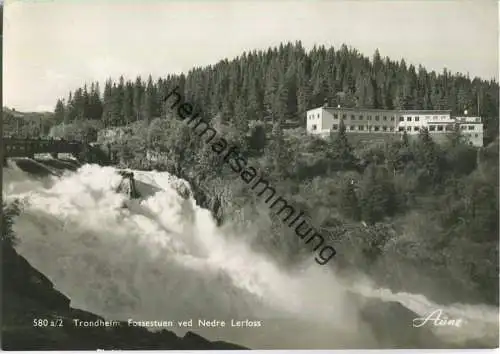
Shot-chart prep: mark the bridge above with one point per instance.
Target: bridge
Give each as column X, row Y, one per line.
column 16, row 147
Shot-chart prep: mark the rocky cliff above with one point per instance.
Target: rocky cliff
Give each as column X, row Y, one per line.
column 28, row 297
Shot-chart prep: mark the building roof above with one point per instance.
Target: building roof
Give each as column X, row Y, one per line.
column 396, row 111
column 449, row 121
column 469, row 120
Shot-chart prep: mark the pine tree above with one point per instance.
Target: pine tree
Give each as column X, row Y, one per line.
column 138, row 98
column 271, row 89
column 377, row 196
column 107, row 104
column 349, row 204
column 257, row 139
column 119, row 97
column 280, row 110
column 362, row 100
column 377, row 80
column 288, row 93
column 240, row 122
column 78, row 104
column 127, row 110
column 116, row 119
column 319, row 96
column 148, row 102
column 456, row 137
column 70, row 111
column 59, row 112
column 276, row 151
column 304, row 101
column 255, row 105
column 85, row 103
column 428, row 156
column 95, row 103
column 341, row 151
column 405, row 140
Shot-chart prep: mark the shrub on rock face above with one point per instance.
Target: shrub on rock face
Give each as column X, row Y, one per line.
column 183, row 190
column 10, row 211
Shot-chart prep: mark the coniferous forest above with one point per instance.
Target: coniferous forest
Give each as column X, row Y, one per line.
column 412, row 215
column 283, row 83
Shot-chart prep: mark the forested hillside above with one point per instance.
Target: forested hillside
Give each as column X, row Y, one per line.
column 26, row 124
column 283, row 83
column 416, row 216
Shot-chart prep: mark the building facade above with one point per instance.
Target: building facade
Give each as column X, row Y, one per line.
column 322, row 120
column 472, row 129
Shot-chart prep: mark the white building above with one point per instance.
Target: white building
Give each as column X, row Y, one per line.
column 472, row 129
column 322, row 120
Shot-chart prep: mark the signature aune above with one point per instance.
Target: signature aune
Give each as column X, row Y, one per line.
column 438, row 319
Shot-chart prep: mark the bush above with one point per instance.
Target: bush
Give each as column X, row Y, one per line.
column 85, row 130
column 9, row 212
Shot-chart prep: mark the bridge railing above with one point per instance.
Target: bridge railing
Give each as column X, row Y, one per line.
column 25, row 147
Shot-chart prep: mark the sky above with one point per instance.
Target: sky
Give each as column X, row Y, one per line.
column 51, row 47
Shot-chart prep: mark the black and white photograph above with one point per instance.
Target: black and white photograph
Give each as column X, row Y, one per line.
column 249, row 175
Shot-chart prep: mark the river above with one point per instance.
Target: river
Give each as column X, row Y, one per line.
column 161, row 257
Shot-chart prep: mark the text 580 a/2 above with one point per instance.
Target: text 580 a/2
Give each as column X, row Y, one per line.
column 38, row 322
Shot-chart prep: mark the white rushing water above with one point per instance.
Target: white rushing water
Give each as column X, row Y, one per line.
column 163, row 258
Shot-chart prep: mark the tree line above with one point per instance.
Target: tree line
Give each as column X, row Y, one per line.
column 281, row 83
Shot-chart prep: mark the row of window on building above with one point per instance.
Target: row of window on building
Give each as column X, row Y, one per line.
column 362, row 127
column 376, row 128
column 377, row 118
column 384, row 128
column 467, row 127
